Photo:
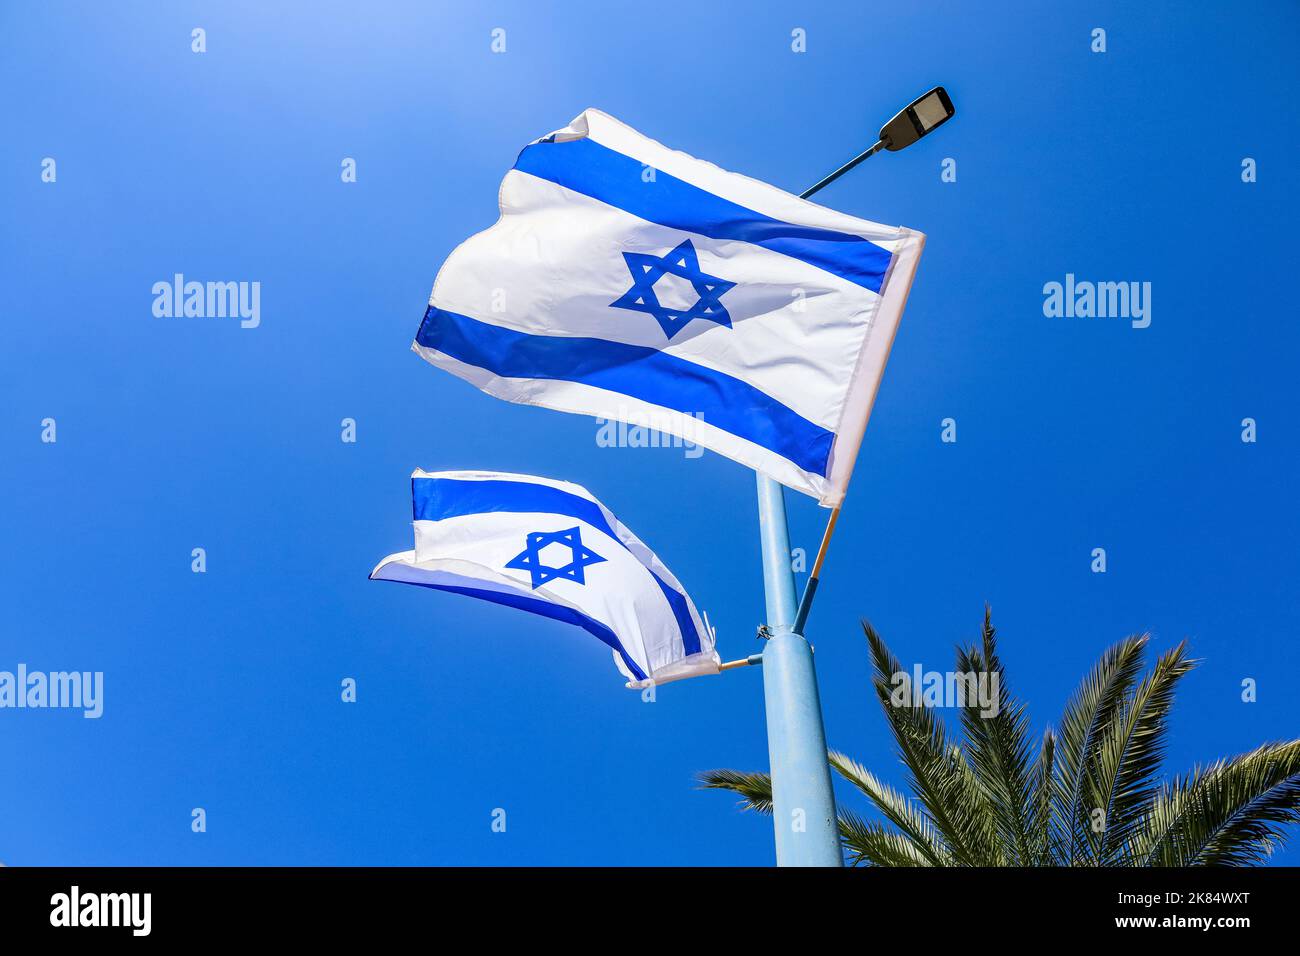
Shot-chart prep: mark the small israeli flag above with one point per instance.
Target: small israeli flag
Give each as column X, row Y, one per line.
column 550, row 548
column 634, row 283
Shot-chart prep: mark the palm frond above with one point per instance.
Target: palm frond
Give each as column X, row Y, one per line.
column 1130, row 755
column 1231, row 814
column 911, row 820
column 872, row 844
column 1091, row 709
column 998, row 745
column 940, row 776
column 755, row 789
column 1043, row 835
column 1088, row 797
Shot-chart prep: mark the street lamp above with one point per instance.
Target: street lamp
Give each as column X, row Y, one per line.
column 801, row 777
column 922, row 116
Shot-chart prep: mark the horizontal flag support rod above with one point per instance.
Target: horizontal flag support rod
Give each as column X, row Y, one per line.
column 749, row 661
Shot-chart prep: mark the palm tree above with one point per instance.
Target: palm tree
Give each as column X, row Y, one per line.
column 1090, row 796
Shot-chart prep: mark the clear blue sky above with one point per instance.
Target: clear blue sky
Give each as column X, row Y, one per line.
column 222, row 689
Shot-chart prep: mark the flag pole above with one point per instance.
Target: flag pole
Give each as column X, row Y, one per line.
column 803, row 803
column 810, row 589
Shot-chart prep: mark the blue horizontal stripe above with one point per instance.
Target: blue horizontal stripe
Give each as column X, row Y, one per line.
column 638, row 371
column 587, row 167
column 436, row 498
column 545, row 609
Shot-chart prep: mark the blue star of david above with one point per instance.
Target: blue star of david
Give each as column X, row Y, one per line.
column 685, row 264
column 530, row 559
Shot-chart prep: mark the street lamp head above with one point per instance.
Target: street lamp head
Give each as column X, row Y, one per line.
column 926, row 113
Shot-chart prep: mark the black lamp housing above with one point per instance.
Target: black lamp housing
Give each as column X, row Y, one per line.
column 924, row 115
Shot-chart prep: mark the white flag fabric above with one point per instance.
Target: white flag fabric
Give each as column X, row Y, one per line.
column 635, row 283
column 550, row 548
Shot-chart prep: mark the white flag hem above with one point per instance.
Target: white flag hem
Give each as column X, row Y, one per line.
column 870, row 369
column 696, row 665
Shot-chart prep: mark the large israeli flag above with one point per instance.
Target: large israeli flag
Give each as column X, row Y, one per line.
column 550, row 548
column 635, row 283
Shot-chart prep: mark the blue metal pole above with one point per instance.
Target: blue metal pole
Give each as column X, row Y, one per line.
column 803, row 804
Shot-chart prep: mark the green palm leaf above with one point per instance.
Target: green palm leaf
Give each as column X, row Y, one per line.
column 1231, row 814
column 1130, row 756
column 1044, row 843
column 1089, row 797
column 754, row 788
column 940, row 776
column 903, row 813
column 998, row 746
column 872, row 844
column 1092, row 708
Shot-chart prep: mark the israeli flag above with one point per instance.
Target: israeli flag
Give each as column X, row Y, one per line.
column 635, row 283
column 550, row 548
